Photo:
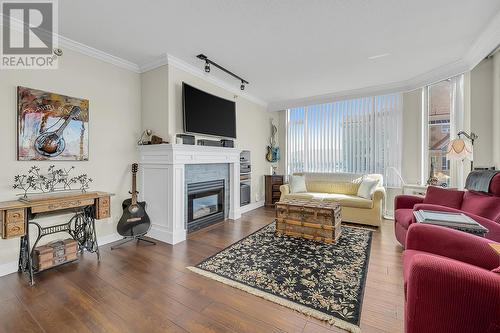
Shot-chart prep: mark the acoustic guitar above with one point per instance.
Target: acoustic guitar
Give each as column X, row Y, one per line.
column 52, row 144
column 134, row 221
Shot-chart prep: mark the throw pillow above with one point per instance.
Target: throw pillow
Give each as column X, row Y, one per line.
column 481, row 204
column 297, row 184
column 444, row 197
column 367, row 187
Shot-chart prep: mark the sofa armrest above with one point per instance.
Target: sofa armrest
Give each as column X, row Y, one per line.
column 378, row 194
column 284, row 189
column 437, row 208
column 452, row 244
column 406, row 201
column 444, row 295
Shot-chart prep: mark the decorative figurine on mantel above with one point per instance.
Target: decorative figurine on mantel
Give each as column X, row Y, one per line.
column 56, row 180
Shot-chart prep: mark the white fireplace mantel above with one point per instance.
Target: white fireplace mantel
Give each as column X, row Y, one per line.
column 162, row 185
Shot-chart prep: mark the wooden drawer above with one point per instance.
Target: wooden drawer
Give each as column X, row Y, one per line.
column 60, row 205
column 103, row 210
column 13, row 229
column 277, row 180
column 14, row 215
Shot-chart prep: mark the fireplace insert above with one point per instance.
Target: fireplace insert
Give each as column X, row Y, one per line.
column 205, row 204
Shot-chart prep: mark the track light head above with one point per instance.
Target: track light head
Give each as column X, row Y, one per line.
column 242, row 87
column 207, row 67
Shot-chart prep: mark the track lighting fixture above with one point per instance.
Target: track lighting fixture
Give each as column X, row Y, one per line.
column 209, row 62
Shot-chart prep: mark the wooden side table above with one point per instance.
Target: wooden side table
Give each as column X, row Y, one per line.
column 272, row 188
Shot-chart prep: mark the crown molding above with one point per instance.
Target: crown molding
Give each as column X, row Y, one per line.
column 170, row 60
column 487, row 41
column 65, row 42
column 430, row 77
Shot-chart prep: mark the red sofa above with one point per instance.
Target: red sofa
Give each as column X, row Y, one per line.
column 451, row 282
column 482, row 207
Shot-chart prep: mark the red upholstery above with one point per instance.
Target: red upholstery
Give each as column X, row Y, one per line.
column 448, row 284
column 495, row 185
column 444, row 197
column 482, row 204
column 483, row 208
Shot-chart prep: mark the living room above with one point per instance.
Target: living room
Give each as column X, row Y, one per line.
column 250, row 166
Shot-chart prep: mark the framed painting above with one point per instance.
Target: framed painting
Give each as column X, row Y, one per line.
column 51, row 126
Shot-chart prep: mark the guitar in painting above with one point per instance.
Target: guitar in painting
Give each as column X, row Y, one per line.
column 52, row 144
column 273, row 151
column 134, row 222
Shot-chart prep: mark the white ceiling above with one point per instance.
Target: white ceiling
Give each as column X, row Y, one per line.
column 291, row 49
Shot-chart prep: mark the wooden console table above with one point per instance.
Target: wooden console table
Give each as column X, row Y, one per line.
column 17, row 216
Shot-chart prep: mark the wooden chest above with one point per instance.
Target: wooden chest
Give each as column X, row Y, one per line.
column 315, row 220
column 54, row 254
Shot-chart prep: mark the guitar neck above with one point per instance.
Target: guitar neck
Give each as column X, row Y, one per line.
column 134, row 189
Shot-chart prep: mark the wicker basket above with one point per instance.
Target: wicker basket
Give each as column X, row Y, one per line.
column 315, row 220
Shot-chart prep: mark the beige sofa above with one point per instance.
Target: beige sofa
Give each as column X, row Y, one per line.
column 343, row 188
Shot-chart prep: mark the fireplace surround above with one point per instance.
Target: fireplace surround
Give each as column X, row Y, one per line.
column 162, row 184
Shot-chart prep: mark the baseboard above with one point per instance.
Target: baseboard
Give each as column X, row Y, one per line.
column 8, row 268
column 160, row 233
column 251, row 206
column 11, row 267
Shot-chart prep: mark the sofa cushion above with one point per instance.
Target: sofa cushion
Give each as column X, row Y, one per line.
column 333, row 187
column 444, row 197
column 306, row 196
column 404, row 217
column 347, row 200
column 482, row 204
column 344, row 199
column 297, row 184
column 367, row 187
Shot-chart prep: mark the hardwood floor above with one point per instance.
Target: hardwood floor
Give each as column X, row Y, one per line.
column 142, row 288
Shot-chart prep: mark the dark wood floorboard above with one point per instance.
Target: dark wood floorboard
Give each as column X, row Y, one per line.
column 143, row 288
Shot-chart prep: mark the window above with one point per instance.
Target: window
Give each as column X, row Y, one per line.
column 443, row 117
column 438, row 127
column 360, row 135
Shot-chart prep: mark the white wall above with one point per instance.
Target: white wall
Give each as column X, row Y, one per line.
column 114, row 96
column 481, row 99
column 154, row 99
column 496, row 110
column 163, row 114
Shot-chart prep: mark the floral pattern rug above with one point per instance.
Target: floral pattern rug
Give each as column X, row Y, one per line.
column 325, row 281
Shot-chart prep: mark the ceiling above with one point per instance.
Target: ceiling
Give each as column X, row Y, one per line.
column 287, row 50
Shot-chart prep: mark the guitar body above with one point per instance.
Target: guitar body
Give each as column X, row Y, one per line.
column 134, row 221
column 50, row 144
column 273, row 154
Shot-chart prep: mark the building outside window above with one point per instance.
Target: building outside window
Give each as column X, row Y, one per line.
column 438, row 127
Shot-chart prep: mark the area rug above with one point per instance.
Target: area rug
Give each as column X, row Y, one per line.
column 325, row 281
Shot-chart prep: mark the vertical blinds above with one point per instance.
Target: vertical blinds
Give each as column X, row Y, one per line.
column 360, row 135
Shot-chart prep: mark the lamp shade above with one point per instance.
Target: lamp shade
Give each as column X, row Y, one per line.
column 459, row 149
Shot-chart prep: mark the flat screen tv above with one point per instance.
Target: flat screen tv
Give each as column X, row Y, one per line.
column 208, row 114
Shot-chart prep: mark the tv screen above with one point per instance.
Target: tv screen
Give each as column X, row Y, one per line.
column 208, row 114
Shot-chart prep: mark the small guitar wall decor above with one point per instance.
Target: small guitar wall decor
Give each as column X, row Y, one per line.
column 273, row 151
column 51, row 126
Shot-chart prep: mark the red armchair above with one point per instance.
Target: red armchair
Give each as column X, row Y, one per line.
column 449, row 283
column 482, row 207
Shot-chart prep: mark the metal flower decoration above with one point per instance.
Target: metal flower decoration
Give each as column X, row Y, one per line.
column 54, row 180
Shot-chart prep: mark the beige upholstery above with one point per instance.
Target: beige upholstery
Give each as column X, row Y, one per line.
column 343, row 188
